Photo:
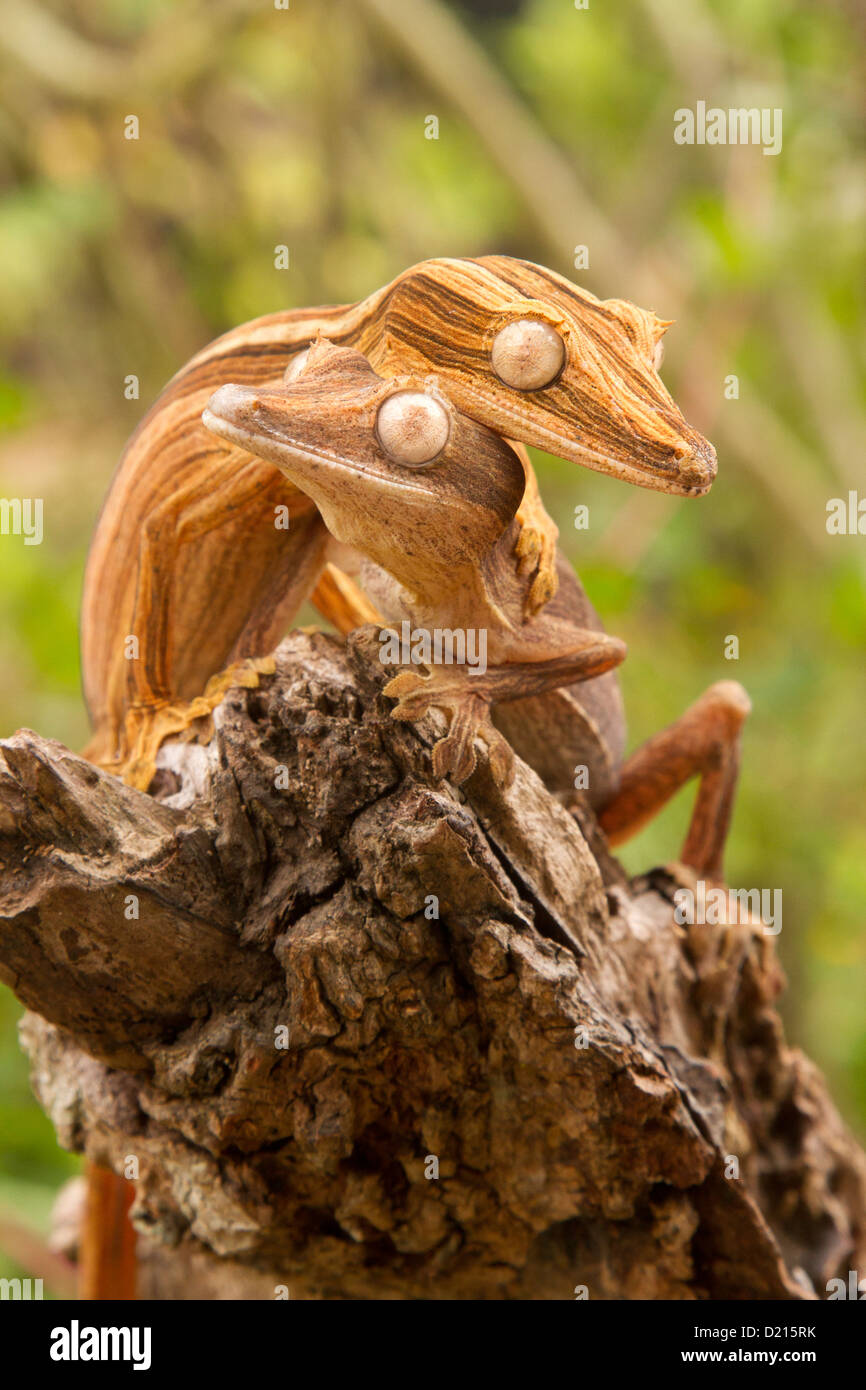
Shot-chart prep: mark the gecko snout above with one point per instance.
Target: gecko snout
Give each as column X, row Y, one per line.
column 230, row 403
column 696, row 465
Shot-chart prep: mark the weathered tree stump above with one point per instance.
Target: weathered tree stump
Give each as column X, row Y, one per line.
column 241, row 981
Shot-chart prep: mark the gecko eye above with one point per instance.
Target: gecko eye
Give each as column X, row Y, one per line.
column 527, row 354
column 413, row 428
column 658, row 355
column 296, row 365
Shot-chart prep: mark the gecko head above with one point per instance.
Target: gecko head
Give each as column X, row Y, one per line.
column 394, row 469
column 539, row 360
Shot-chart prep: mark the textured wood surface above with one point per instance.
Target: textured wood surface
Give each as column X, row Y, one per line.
column 282, row 880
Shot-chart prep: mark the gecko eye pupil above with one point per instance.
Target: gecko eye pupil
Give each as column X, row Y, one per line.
column 527, row 354
column 413, row 428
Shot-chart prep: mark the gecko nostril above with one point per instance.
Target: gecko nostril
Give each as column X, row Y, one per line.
column 695, row 464
column 680, row 451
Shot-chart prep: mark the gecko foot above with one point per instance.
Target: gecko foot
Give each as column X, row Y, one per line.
column 535, row 549
column 148, row 726
column 469, row 707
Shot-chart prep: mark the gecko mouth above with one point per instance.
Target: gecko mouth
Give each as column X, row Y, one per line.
column 640, row 475
column 284, row 452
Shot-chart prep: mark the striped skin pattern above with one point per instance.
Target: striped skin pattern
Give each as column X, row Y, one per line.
column 187, row 560
column 608, row 409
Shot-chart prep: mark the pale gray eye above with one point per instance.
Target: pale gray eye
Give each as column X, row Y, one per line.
column 527, row 354
column 296, row 365
column 413, row 428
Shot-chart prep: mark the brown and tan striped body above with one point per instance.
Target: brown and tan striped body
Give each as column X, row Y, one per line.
column 186, row 556
column 188, row 570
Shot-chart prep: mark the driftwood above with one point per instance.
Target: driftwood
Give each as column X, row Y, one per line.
column 324, row 1085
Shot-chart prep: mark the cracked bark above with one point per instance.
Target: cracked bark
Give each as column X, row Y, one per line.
column 300, row 900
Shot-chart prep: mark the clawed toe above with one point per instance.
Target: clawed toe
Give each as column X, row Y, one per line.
column 527, row 549
column 454, row 755
column 536, row 551
column 541, row 590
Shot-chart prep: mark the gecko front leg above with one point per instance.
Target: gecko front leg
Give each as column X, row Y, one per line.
column 468, row 704
column 171, row 684
column 468, row 697
column 535, row 547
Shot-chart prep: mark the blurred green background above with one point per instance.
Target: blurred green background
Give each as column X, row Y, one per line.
column 306, row 127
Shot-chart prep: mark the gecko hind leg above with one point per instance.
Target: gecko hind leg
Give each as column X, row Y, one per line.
column 107, row 1262
column 704, row 741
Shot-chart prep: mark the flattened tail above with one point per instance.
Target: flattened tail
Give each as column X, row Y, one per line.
column 107, row 1269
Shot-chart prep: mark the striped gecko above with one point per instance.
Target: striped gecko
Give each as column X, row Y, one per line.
column 191, row 570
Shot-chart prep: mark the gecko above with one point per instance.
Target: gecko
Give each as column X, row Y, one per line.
column 192, row 576
column 202, row 554
column 422, row 501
